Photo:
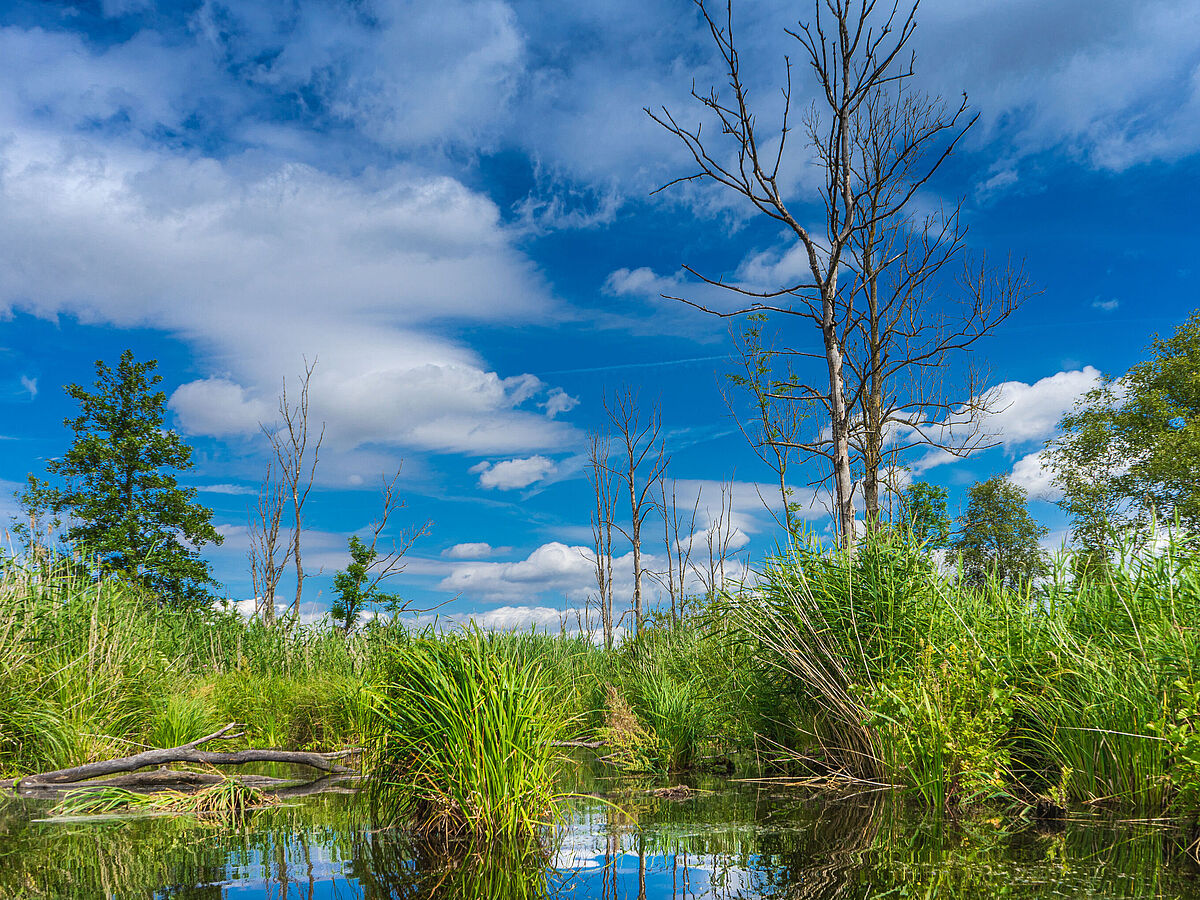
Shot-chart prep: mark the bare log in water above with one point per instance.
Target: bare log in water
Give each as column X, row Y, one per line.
column 176, row 779
column 188, row 753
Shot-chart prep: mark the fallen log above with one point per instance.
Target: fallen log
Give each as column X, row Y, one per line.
column 188, row 753
column 184, row 780
column 586, row 745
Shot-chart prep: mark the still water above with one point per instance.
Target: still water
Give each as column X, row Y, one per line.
column 734, row 840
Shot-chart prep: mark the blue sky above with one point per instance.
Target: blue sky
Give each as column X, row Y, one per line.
column 449, row 207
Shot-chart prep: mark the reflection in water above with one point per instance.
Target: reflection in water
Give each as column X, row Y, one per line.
column 736, row 842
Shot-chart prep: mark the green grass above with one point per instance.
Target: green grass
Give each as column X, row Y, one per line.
column 874, row 666
column 461, row 744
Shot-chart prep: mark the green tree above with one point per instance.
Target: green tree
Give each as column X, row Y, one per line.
column 1129, row 453
column 119, row 497
column 355, row 590
column 997, row 536
column 357, row 587
column 923, row 514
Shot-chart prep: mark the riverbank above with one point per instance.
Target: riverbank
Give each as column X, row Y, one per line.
column 876, row 668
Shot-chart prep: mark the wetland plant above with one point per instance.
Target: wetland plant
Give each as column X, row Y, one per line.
column 462, row 742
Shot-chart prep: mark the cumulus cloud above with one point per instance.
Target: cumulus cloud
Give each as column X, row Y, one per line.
column 469, row 550
column 1025, row 413
column 554, row 567
column 1030, row 473
column 512, row 474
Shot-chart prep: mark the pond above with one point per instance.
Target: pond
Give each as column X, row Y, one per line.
column 728, row 840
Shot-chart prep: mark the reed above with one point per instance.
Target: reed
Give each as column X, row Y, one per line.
column 461, row 745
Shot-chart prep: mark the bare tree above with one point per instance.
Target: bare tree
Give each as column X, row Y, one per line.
column 297, row 456
column 905, row 341
column 855, row 50
column 266, row 565
column 644, row 462
column 679, row 536
column 717, row 537
column 605, row 501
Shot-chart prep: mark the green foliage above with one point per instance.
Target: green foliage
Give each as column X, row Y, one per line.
column 314, row 709
column 354, row 589
column 1129, row 453
column 923, row 515
column 944, row 726
column 998, row 538
column 228, row 800
column 462, row 741
column 181, row 718
column 120, row 497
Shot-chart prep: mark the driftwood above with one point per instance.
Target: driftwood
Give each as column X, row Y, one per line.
column 183, row 780
column 185, row 753
column 586, row 745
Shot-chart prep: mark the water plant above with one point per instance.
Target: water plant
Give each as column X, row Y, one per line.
column 461, row 746
column 229, row 801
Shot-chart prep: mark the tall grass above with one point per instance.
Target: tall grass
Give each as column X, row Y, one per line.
column 93, row 668
column 1085, row 687
column 462, row 741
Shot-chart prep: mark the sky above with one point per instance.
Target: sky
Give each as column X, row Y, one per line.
column 449, row 208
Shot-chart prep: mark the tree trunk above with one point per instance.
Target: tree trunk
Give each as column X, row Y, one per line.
column 187, row 753
column 839, row 422
column 635, row 533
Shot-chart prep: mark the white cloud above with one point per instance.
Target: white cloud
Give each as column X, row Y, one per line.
column 559, row 401
column 1106, row 305
column 30, row 385
column 231, row 489
column 513, row 473
column 1025, row 413
column 1030, row 473
column 554, row 567
column 477, row 550
column 1030, row 412
column 515, row 618
column 260, row 268
column 218, row 407
column 641, row 282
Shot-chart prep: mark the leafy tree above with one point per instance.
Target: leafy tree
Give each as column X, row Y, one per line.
column 997, row 536
column 923, row 514
column 354, row 588
column 120, row 499
column 358, row 587
column 1129, row 453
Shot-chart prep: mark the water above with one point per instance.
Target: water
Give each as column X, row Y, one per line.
column 735, row 841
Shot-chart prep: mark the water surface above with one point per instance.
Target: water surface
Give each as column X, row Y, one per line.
column 735, row 840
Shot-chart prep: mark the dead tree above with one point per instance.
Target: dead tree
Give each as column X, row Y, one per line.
column 773, row 427
column 854, row 51
column 266, row 565
column 911, row 332
column 717, row 538
column 644, row 462
column 603, row 510
column 187, row 753
column 679, row 536
column 298, row 463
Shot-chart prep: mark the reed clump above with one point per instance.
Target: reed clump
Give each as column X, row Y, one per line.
column 462, row 741
column 1083, row 688
column 229, row 801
